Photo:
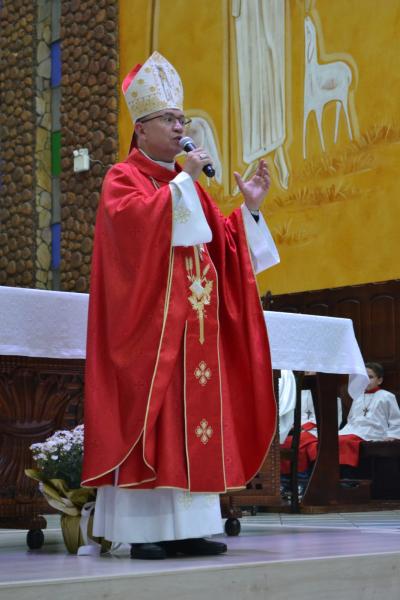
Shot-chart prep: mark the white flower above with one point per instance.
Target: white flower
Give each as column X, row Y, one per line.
column 60, row 455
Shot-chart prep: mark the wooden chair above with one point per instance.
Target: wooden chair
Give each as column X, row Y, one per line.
column 380, row 461
column 292, row 454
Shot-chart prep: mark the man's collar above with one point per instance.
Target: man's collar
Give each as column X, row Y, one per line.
column 151, row 167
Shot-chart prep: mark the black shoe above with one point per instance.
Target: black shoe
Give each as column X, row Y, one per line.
column 194, row 547
column 148, row 551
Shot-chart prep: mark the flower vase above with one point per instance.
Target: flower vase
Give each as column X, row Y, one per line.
column 73, row 537
column 71, row 531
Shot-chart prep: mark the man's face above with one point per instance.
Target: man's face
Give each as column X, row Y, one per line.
column 374, row 380
column 158, row 134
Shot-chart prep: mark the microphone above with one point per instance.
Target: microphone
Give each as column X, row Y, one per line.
column 187, row 144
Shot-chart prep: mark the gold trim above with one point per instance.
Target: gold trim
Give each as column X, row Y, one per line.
column 220, row 378
column 143, row 432
column 165, row 315
column 155, row 183
column 166, row 305
column 171, row 487
column 266, row 333
column 200, row 295
column 117, row 465
column 136, row 483
column 185, row 405
column 188, row 490
column 197, row 261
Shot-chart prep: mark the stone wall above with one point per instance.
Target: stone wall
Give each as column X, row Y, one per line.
column 18, row 218
column 89, row 119
column 31, row 193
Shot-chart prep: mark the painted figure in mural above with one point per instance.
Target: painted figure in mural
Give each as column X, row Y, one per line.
column 323, row 83
column 260, row 49
column 203, row 135
column 179, row 403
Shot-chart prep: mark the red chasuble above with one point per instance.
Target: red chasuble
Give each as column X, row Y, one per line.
column 178, row 389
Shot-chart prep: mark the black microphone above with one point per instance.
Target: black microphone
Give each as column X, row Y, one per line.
column 187, row 144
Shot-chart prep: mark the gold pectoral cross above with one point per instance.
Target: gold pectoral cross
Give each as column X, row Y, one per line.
column 200, row 287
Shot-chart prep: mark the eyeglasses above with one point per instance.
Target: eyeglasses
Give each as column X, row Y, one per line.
column 169, row 119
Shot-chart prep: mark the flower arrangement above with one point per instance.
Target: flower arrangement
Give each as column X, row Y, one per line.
column 60, row 456
column 58, row 470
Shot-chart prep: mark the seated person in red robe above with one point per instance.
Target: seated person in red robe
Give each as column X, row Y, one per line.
column 308, row 442
column 179, row 403
column 373, row 416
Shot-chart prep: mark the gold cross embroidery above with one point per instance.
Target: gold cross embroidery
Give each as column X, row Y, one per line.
column 202, row 373
column 200, row 287
column 204, row 431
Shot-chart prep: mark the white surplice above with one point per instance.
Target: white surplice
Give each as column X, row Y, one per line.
column 374, row 417
column 287, row 403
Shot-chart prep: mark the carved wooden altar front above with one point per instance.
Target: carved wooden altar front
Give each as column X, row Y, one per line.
column 37, row 397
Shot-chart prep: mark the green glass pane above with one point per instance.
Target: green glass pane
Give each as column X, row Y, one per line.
column 56, row 153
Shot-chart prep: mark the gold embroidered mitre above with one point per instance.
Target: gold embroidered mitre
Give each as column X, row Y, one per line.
column 152, row 87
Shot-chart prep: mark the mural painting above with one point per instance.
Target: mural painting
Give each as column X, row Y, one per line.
column 311, row 86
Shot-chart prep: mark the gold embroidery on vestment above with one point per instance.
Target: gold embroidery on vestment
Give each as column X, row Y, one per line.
column 204, row 431
column 200, row 287
column 202, row 373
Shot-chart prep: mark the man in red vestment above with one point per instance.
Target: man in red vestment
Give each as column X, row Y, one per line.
column 179, row 403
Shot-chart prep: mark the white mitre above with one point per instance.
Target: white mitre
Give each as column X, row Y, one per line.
column 152, row 87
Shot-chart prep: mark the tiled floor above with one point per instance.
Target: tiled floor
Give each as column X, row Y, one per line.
column 262, row 523
column 385, row 520
column 345, row 551
column 344, row 526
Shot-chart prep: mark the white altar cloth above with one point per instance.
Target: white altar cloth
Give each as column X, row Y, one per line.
column 51, row 324
column 42, row 323
column 321, row 344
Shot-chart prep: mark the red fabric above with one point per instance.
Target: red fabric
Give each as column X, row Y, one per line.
column 349, row 450
column 303, row 461
column 308, row 426
column 143, row 404
column 130, row 77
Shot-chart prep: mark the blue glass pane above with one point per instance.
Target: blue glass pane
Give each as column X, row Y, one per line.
column 55, row 50
column 55, row 245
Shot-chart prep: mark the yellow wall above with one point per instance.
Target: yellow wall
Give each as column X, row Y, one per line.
column 337, row 222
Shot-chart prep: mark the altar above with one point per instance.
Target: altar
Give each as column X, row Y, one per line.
column 42, row 352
